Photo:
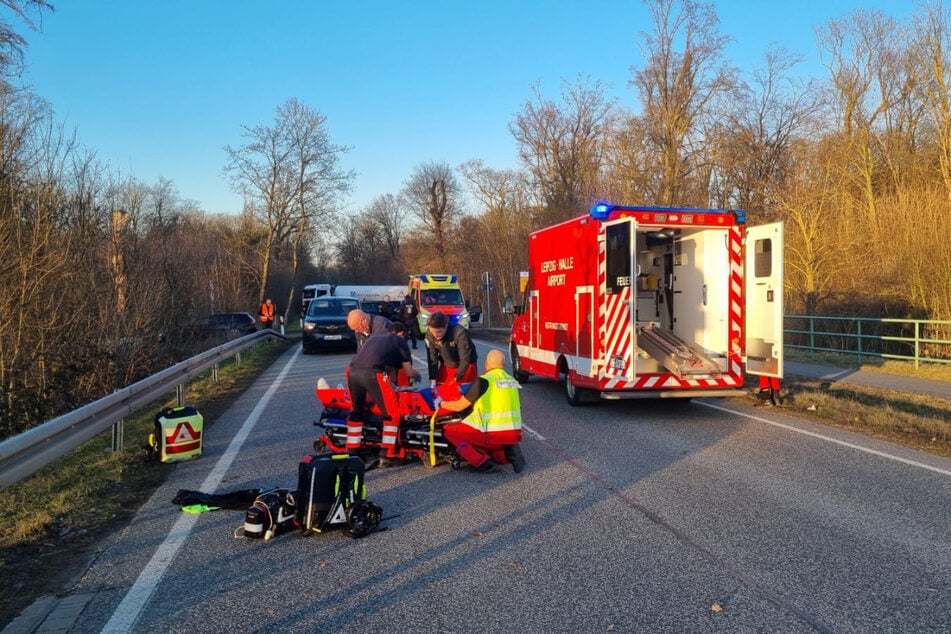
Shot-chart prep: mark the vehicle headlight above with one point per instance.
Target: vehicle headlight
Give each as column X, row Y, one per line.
column 309, row 326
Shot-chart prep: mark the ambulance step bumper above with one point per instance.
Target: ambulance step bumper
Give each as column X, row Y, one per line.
column 629, row 394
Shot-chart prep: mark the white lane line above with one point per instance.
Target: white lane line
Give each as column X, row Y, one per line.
column 874, row 452
column 128, row 611
column 531, row 432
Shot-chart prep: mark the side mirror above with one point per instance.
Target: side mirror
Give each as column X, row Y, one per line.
column 475, row 314
column 517, row 309
column 508, row 308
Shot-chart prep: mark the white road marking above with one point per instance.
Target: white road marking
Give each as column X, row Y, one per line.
column 874, row 452
column 128, row 611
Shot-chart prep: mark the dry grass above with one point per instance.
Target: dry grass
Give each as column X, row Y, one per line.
column 923, row 422
column 54, row 520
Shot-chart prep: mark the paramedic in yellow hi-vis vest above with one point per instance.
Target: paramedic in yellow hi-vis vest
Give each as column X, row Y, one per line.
column 492, row 425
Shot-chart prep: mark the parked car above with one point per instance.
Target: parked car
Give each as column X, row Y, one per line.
column 225, row 326
column 325, row 324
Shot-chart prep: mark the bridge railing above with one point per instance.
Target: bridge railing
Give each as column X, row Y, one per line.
column 917, row 340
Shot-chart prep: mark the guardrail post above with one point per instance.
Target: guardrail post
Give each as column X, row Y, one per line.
column 917, row 342
column 859, row 340
column 180, row 394
column 214, row 373
column 118, row 435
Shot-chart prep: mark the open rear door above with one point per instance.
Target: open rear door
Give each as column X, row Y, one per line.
column 620, row 336
column 764, row 300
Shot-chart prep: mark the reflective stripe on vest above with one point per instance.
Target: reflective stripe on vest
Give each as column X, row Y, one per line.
column 499, row 408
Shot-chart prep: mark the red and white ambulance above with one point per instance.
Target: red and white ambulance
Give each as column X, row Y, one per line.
column 634, row 302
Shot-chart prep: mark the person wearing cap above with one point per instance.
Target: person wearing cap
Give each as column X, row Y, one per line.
column 491, row 428
column 365, row 326
column 452, row 355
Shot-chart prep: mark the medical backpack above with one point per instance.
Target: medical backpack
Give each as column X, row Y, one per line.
column 331, row 492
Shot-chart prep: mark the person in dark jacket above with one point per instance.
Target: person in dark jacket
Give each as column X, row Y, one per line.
column 451, row 353
column 386, row 308
column 378, row 353
column 407, row 315
column 365, row 326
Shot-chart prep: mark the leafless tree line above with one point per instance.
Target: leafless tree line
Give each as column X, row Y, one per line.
column 105, row 277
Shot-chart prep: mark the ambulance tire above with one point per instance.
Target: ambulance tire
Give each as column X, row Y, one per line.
column 573, row 394
column 520, row 375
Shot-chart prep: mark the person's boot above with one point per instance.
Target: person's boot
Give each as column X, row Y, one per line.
column 386, row 461
column 486, row 467
column 513, row 453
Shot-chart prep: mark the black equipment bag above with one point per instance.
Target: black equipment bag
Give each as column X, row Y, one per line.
column 327, row 485
column 273, row 512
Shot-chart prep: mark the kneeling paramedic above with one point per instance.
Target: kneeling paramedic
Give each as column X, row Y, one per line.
column 378, row 353
column 492, row 425
column 451, row 354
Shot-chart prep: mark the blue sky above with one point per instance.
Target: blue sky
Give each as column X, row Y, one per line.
column 157, row 88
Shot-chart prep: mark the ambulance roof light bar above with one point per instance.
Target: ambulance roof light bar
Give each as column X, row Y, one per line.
column 602, row 211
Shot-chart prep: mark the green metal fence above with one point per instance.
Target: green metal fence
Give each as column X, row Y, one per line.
column 918, row 340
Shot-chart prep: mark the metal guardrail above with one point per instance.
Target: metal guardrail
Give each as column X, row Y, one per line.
column 905, row 339
column 32, row 450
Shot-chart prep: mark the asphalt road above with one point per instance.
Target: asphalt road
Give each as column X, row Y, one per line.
column 630, row 516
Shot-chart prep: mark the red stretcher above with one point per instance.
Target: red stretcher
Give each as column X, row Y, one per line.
column 421, row 425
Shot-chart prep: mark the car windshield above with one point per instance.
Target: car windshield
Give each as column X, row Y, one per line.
column 442, row 297
column 331, row 308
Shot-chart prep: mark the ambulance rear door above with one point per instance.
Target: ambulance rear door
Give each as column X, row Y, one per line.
column 764, row 300
column 620, row 335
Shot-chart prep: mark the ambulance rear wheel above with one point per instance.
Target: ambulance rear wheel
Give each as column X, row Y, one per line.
column 573, row 394
column 520, row 375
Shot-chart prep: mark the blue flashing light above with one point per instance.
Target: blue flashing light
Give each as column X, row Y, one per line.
column 740, row 215
column 601, row 211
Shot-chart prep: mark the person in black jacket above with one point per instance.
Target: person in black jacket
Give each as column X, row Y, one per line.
column 378, row 354
column 386, row 308
column 407, row 315
column 452, row 355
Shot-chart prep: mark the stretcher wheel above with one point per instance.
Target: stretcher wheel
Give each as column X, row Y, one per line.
column 319, row 446
column 455, row 463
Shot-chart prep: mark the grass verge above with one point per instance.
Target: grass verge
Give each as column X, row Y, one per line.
column 55, row 519
column 919, row 421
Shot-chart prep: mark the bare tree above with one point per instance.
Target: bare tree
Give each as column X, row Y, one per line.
column 860, row 53
column 389, row 213
column 498, row 235
column 362, row 255
column 11, row 42
column 289, row 176
column 931, row 66
column 562, row 147
column 433, row 195
column 677, row 89
column 752, row 146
